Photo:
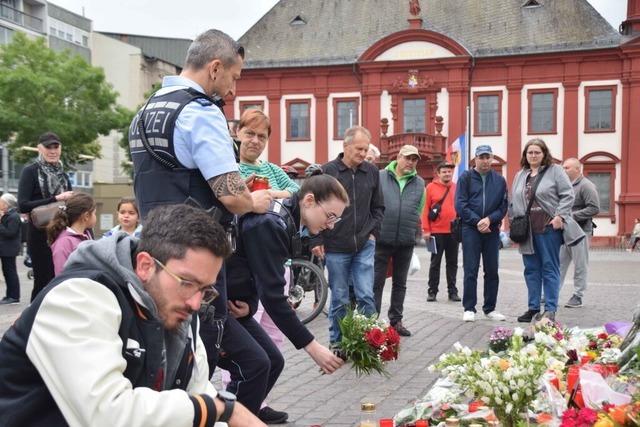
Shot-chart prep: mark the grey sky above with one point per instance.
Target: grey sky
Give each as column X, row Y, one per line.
column 165, row 19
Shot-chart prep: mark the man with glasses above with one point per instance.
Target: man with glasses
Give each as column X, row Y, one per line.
column 403, row 202
column 114, row 339
column 350, row 245
column 266, row 242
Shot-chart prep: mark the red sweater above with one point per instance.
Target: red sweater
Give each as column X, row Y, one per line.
column 435, row 191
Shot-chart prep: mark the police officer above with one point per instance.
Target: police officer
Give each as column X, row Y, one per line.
column 265, row 243
column 182, row 151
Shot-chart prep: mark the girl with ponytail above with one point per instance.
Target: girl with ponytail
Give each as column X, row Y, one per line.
column 70, row 226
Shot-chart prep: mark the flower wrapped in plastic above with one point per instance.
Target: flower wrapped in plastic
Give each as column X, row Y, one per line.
column 368, row 343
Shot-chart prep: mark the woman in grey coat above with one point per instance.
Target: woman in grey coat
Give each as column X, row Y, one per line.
column 550, row 223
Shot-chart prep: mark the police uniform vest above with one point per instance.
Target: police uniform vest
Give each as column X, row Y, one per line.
column 25, row 400
column 159, row 178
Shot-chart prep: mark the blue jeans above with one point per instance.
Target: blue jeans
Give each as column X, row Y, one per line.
column 359, row 267
column 474, row 246
column 542, row 269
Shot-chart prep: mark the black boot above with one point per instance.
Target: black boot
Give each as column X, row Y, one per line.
column 528, row 316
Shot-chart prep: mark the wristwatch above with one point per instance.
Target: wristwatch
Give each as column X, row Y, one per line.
column 229, row 400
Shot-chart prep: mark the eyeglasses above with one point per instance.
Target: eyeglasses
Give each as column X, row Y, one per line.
column 262, row 137
column 188, row 288
column 331, row 217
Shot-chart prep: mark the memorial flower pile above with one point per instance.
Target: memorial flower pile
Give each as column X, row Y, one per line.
column 368, row 343
column 545, row 375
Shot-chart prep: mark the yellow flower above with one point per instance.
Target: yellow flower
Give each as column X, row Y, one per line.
column 603, row 421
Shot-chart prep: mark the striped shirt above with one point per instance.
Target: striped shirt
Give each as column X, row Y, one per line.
column 278, row 179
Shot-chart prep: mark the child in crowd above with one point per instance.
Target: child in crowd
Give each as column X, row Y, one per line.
column 70, row 226
column 128, row 218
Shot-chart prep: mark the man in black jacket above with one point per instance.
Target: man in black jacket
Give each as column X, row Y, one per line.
column 350, row 247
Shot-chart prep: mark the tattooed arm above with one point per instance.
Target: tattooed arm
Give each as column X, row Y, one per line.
column 233, row 193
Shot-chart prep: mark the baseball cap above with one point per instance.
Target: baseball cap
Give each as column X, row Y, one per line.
column 483, row 149
column 409, row 150
column 49, row 138
column 445, row 164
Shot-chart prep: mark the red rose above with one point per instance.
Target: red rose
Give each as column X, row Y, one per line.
column 388, row 354
column 393, row 338
column 603, row 336
column 593, row 345
column 375, row 337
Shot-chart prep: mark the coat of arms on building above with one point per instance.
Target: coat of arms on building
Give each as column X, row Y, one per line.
column 413, row 82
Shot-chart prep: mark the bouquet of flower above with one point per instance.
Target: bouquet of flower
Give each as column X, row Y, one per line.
column 508, row 382
column 368, row 343
column 500, row 339
column 603, row 348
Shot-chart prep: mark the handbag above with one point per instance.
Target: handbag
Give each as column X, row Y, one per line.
column 41, row 216
column 456, row 224
column 434, row 212
column 519, row 227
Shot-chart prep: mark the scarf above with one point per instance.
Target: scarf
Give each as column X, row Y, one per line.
column 51, row 178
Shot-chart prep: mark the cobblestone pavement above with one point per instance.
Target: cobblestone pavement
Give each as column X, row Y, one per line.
column 334, row 400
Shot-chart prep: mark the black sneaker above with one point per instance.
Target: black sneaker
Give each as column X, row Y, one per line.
column 7, row 300
column 574, row 302
column 402, row 331
column 431, row 297
column 528, row 316
column 270, row 416
column 454, row 297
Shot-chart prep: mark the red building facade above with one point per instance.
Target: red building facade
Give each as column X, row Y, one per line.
column 409, row 80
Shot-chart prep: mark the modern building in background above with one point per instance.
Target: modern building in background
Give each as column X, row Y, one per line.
column 63, row 30
column 428, row 72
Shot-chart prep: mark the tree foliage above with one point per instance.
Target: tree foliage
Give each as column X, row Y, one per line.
column 42, row 90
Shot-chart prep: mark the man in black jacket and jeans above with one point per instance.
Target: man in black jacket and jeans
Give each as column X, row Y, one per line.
column 350, row 247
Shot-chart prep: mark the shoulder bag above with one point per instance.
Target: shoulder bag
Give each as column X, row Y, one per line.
column 519, row 227
column 41, row 216
column 434, row 212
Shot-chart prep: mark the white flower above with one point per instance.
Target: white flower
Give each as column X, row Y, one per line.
column 515, row 397
column 485, row 399
column 466, row 351
column 431, row 368
column 528, row 392
column 517, row 332
column 457, row 346
column 498, row 400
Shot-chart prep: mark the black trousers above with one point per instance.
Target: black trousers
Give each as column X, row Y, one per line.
column 10, row 272
column 252, row 359
column 446, row 245
column 401, row 261
column 41, row 258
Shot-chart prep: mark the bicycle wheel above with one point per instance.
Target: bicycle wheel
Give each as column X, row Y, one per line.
column 307, row 290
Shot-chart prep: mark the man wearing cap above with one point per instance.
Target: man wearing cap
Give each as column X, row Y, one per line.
column 481, row 203
column 350, row 245
column 436, row 223
column 403, row 202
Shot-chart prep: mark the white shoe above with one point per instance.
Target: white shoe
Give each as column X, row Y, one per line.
column 494, row 315
column 469, row 316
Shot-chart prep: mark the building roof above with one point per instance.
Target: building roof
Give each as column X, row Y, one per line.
column 171, row 50
column 330, row 32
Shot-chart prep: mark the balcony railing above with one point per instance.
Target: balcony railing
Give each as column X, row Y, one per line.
column 429, row 146
column 17, row 17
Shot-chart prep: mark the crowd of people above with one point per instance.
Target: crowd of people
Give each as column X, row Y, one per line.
column 195, row 275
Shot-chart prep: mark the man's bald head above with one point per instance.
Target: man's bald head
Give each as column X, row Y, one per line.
column 573, row 168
